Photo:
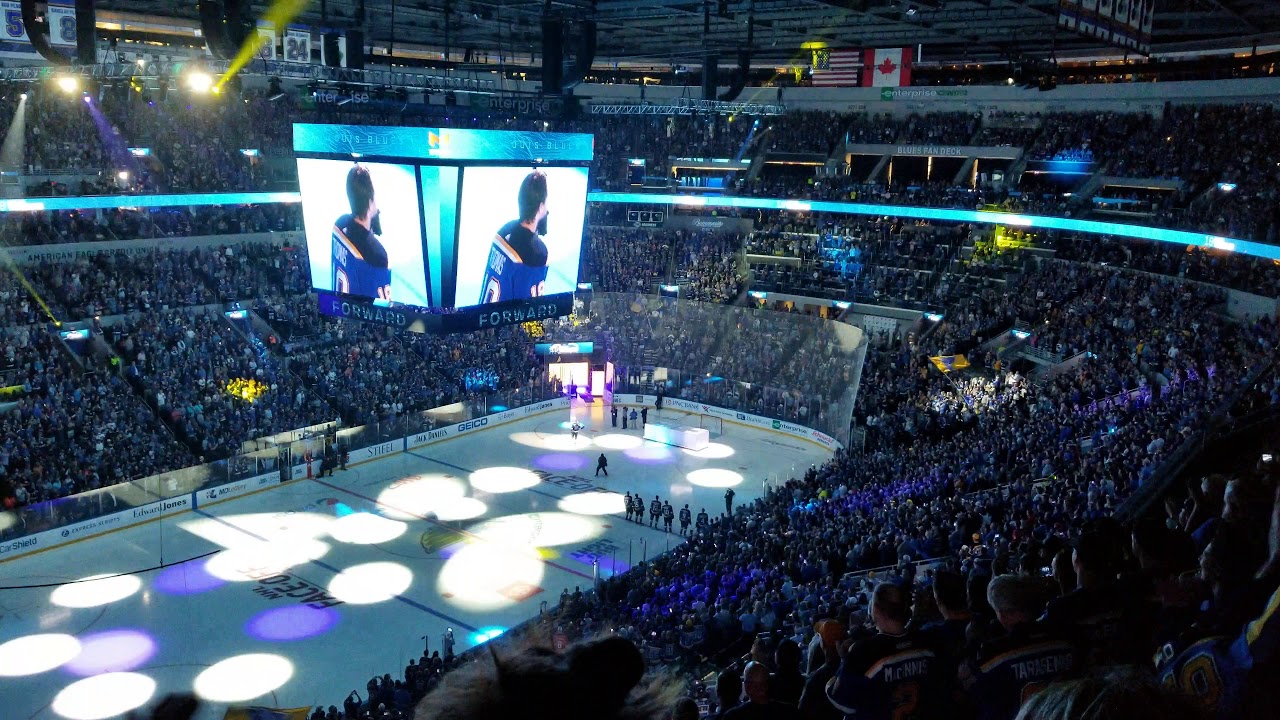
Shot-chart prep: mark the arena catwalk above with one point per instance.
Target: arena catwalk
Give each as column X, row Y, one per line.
column 298, row 594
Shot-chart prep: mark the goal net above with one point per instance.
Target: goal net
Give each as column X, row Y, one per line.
column 712, row 424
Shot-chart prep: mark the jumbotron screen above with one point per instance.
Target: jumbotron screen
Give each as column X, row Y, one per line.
column 442, row 218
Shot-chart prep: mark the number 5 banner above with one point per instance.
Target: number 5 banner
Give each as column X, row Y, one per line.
column 14, row 30
column 297, row 46
column 62, row 25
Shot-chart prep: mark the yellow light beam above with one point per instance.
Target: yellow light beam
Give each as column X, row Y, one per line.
column 279, row 15
column 13, row 267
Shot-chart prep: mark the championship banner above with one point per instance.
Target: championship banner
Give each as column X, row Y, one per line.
column 62, row 25
column 297, row 46
column 267, row 50
column 14, row 29
column 1125, row 23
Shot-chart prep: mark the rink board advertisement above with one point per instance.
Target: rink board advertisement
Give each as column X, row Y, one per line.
column 441, row 219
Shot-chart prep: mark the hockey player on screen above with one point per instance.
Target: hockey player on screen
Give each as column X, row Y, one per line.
column 517, row 267
column 360, row 265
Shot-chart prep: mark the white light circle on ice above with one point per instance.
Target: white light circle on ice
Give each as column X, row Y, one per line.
column 714, row 478
column 463, row 508
column 594, row 503
column 416, row 497
column 34, row 654
column 95, row 590
column 370, row 582
column 363, row 528
column 535, row 530
column 551, row 442
column 243, row 677
column 713, row 451
column 257, row 559
column 486, row 576
column 104, row 696
column 618, row 441
column 503, row 479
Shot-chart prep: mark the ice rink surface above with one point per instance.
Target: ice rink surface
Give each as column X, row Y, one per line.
column 300, row 593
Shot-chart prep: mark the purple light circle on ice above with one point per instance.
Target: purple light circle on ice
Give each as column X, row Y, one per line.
column 560, row 461
column 111, row 651
column 186, row 578
column 291, row 623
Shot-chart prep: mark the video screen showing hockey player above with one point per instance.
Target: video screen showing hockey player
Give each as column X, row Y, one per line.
column 533, row 254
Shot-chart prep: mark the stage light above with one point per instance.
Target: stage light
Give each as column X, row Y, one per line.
column 295, row 622
column 364, row 528
column 260, row 559
column 462, row 509
column 142, row 62
column 370, row 583
column 23, row 96
column 243, row 677
column 650, row 453
column 417, row 496
column 485, row 634
column 104, row 696
column 503, row 479
column 199, row 81
column 112, row 651
column 487, row 576
column 537, row 530
column 713, row 451
column 86, row 97
column 618, row 441
column 123, row 175
column 95, row 590
column 68, row 84
column 34, row 654
column 594, row 503
column 714, row 478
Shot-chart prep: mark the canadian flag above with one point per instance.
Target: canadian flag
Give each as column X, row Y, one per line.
column 886, row 67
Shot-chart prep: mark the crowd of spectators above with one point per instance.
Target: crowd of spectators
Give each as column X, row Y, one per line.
column 74, row 427
column 75, row 226
column 197, row 146
column 183, row 363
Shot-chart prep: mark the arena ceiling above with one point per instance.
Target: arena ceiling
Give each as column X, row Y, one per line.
column 671, row 32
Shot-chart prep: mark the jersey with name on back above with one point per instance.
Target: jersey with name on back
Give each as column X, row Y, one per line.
column 517, row 267
column 1013, row 668
column 360, row 264
column 885, row 677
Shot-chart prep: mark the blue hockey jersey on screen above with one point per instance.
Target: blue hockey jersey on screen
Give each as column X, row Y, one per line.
column 517, row 266
column 360, row 264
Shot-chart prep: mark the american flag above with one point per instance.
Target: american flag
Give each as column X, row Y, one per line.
column 836, row 68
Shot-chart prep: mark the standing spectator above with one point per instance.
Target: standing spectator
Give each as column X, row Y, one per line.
column 890, row 674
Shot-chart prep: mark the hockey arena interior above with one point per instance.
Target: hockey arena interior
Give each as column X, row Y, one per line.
column 640, row 360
